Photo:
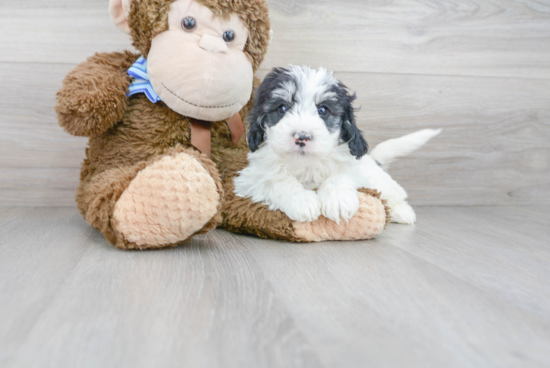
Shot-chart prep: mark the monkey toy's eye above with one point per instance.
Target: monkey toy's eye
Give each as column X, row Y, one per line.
column 323, row 111
column 283, row 109
column 228, row 36
column 189, row 24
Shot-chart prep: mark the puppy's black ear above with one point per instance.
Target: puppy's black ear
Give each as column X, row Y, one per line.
column 256, row 131
column 352, row 135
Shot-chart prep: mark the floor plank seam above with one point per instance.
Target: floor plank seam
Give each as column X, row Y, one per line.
column 248, row 239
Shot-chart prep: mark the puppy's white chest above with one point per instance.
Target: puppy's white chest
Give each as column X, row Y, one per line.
column 311, row 177
column 311, row 186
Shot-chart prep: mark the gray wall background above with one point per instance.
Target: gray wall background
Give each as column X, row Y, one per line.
column 480, row 69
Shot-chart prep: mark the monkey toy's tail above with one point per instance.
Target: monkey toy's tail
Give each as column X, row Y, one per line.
column 388, row 151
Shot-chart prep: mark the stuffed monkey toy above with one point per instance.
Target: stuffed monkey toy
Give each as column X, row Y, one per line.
column 165, row 128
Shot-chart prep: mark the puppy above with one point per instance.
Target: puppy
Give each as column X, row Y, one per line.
column 308, row 157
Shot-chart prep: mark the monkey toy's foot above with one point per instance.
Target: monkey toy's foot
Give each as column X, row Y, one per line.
column 167, row 202
column 368, row 222
column 241, row 215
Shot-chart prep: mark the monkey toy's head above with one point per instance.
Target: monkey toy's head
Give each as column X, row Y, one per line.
column 201, row 54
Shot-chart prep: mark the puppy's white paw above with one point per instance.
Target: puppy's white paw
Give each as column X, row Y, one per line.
column 303, row 207
column 403, row 214
column 339, row 203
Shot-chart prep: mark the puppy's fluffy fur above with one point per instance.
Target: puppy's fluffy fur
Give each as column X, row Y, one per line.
column 308, row 156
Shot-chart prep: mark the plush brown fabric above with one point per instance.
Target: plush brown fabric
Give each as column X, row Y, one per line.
column 93, row 97
column 149, row 18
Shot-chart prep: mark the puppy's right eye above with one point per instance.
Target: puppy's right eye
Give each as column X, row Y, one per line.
column 283, row 109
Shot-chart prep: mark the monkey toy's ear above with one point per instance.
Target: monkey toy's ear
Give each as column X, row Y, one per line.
column 256, row 131
column 351, row 134
column 119, row 10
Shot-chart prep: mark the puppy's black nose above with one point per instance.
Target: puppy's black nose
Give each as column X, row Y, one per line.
column 302, row 138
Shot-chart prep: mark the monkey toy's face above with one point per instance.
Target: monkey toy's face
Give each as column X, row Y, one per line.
column 198, row 66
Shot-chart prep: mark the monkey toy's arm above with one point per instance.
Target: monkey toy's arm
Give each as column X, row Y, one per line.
column 93, row 96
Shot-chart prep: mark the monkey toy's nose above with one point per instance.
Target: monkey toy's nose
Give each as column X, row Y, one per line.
column 302, row 138
column 213, row 44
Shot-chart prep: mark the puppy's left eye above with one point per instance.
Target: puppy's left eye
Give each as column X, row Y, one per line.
column 323, row 111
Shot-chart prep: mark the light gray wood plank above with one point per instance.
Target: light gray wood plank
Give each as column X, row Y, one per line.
column 68, row 34
column 40, row 248
column 479, row 37
column 39, row 162
column 204, row 304
column 38, row 187
column 30, row 136
column 495, row 148
column 441, row 293
column 504, row 251
column 384, row 307
column 53, row 4
column 509, row 38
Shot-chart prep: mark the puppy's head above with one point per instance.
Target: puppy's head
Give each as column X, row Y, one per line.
column 299, row 111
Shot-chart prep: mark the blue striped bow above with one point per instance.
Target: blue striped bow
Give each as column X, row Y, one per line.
column 141, row 83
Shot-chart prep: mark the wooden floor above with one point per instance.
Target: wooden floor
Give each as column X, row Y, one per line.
column 466, row 287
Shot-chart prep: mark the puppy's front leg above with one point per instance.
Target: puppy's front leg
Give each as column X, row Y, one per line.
column 339, row 198
column 288, row 195
column 302, row 205
column 280, row 192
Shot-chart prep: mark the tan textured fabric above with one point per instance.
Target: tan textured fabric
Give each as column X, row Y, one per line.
column 167, row 202
column 201, row 136
column 369, row 221
column 236, row 127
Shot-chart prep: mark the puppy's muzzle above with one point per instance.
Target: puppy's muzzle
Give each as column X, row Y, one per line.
column 302, row 138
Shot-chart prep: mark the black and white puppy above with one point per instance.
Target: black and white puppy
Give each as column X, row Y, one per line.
column 308, row 155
